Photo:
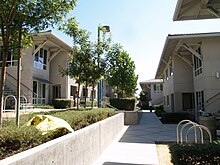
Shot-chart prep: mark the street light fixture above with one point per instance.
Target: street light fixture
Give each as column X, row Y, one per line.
column 103, row 29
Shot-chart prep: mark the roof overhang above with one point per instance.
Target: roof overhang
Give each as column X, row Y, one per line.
column 52, row 41
column 171, row 44
column 196, row 9
column 42, row 80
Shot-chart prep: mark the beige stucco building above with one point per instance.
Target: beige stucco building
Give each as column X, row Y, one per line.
column 189, row 65
column 154, row 89
column 41, row 80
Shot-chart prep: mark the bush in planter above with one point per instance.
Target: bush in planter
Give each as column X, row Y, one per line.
column 159, row 110
column 174, row 117
column 14, row 140
column 62, row 103
column 127, row 104
column 184, row 154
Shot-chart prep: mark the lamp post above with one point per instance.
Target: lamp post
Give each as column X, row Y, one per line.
column 103, row 29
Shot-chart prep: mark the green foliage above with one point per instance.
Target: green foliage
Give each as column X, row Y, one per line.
column 62, row 103
column 159, row 110
column 14, row 140
column 23, row 17
column 174, row 117
column 121, row 71
column 184, row 154
column 127, row 104
column 85, row 63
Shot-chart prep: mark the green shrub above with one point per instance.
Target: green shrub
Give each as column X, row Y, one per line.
column 127, row 104
column 62, row 103
column 184, row 154
column 159, row 110
column 14, row 140
column 174, row 117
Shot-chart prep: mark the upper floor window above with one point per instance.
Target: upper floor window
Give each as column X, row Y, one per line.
column 11, row 59
column 197, row 63
column 158, row 88
column 40, row 59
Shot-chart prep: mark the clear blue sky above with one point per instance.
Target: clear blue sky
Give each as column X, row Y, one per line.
column 141, row 26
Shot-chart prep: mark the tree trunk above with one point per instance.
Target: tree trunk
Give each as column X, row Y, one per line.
column 19, row 77
column 85, row 96
column 2, row 85
column 77, row 97
column 93, row 86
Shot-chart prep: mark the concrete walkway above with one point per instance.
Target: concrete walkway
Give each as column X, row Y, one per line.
column 136, row 143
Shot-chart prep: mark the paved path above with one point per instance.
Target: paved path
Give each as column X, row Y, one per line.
column 136, row 143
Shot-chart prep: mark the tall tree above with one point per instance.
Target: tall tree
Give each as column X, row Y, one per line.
column 26, row 16
column 121, row 71
column 85, row 65
column 80, row 58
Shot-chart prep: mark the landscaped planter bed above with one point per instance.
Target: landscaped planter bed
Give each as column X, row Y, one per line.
column 81, row 147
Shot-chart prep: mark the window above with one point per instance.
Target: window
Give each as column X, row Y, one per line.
column 11, row 60
column 200, row 100
column 158, row 88
column 39, row 93
column 40, row 59
column 57, row 91
column 197, row 64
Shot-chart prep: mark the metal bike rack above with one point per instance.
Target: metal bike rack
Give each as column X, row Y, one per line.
column 25, row 98
column 195, row 126
column 200, row 127
column 177, row 129
column 6, row 100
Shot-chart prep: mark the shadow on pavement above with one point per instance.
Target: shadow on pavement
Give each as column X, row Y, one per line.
column 115, row 163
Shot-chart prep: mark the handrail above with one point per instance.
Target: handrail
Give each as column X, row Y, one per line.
column 20, row 82
column 213, row 97
column 8, row 74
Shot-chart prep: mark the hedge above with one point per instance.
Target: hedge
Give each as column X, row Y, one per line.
column 127, row 104
column 174, row 117
column 62, row 103
column 159, row 110
column 185, row 154
column 14, row 140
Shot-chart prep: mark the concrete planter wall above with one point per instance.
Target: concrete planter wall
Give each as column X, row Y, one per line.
column 131, row 117
column 82, row 147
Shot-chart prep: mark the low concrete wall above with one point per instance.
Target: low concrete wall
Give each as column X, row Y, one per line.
column 82, row 147
column 131, row 117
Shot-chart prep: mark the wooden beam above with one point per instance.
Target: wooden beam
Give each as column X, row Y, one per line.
column 54, row 55
column 184, row 59
column 39, row 47
column 192, row 51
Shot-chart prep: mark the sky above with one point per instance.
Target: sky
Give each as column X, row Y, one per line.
column 140, row 26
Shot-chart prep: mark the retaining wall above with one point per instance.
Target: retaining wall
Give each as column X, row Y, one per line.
column 82, row 147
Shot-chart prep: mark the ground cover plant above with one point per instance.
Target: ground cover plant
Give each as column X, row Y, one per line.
column 14, row 140
column 184, row 154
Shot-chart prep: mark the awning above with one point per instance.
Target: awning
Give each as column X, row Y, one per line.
column 43, row 80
